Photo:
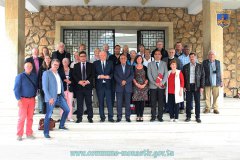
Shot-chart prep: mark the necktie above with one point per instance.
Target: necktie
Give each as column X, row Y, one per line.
column 103, row 67
column 83, row 72
column 157, row 64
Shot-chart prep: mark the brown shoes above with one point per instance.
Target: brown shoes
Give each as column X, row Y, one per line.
column 206, row 111
column 215, row 111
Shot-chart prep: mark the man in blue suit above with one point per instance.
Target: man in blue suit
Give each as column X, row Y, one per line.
column 124, row 76
column 54, row 95
column 103, row 75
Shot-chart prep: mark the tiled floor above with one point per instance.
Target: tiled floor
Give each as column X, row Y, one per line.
column 217, row 137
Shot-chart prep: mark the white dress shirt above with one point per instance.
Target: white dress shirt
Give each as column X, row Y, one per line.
column 192, row 72
column 58, row 79
column 145, row 61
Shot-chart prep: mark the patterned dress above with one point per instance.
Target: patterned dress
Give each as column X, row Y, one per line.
column 140, row 94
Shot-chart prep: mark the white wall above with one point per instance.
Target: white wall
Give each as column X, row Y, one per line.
column 7, row 66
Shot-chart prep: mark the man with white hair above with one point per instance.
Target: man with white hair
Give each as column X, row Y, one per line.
column 159, row 47
column 213, row 80
column 76, row 59
column 106, row 49
column 60, row 53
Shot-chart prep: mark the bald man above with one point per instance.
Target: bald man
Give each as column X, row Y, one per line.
column 35, row 60
column 25, row 90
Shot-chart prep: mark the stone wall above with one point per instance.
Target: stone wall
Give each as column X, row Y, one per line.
column 40, row 30
column 40, row 27
column 231, row 37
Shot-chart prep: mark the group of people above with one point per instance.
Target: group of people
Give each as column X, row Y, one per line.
column 161, row 77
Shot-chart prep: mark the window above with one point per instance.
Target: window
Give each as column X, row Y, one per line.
column 72, row 38
column 149, row 38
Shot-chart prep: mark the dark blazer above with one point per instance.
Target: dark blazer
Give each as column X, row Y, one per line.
column 199, row 76
column 119, row 76
column 206, row 66
column 114, row 59
column 40, row 73
column 163, row 52
column 99, row 71
column 63, row 77
column 77, row 75
column 59, row 56
column 30, row 59
column 179, row 64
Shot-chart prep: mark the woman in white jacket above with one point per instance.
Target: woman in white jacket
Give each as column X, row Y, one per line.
column 174, row 90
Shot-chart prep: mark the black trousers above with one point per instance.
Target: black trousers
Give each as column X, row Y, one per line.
column 157, row 97
column 139, row 108
column 173, row 107
column 189, row 97
column 85, row 94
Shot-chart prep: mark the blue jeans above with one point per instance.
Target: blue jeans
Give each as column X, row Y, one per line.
column 63, row 104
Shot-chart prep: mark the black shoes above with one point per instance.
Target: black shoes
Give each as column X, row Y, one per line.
column 102, row 120
column 152, row 119
column 118, row 120
column 160, row 120
column 187, row 120
column 198, row 120
column 79, row 121
column 90, row 120
column 111, row 120
column 128, row 120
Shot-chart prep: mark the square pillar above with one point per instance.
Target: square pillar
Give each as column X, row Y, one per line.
column 12, row 48
column 213, row 35
column 15, row 30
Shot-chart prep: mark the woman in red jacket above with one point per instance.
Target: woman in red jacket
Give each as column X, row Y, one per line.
column 174, row 90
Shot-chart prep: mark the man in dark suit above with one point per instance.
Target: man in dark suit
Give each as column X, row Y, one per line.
column 35, row 60
column 123, row 75
column 61, row 53
column 194, row 81
column 83, row 74
column 104, row 75
column 159, row 47
column 171, row 56
column 115, row 59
